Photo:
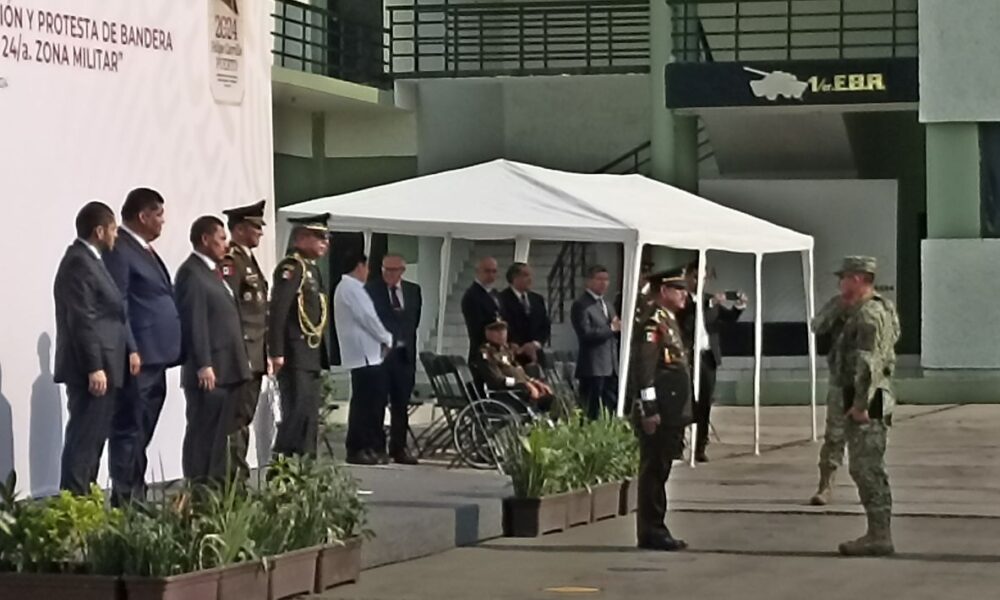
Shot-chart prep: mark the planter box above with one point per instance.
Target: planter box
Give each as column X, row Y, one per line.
column 57, row 586
column 578, row 511
column 200, row 585
column 629, row 498
column 531, row 517
column 337, row 565
column 604, row 501
column 244, row 581
column 292, row 573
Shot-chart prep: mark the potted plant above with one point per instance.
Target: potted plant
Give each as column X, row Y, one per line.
column 537, row 470
column 625, row 467
column 339, row 559
column 572, row 439
column 227, row 524
column 44, row 545
column 603, row 441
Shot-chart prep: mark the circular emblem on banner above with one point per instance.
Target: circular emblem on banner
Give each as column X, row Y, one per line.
column 225, row 50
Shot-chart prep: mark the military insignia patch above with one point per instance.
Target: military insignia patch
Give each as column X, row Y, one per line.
column 227, row 270
column 247, row 296
column 287, row 272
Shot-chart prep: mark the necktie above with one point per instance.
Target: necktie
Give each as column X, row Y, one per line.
column 495, row 297
column 525, row 303
column 604, row 307
column 394, row 298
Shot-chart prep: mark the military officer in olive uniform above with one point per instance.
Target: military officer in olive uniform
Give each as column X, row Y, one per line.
column 500, row 370
column 660, row 387
column 249, row 286
column 297, row 322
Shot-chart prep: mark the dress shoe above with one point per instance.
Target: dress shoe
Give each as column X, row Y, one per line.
column 701, row 457
column 663, row 544
column 404, row 458
column 382, row 457
column 363, row 457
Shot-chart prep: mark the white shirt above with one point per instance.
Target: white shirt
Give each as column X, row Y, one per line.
column 93, row 249
column 704, row 342
column 208, row 261
column 359, row 330
column 138, row 238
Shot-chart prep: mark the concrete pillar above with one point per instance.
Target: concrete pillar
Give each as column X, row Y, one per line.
column 953, row 193
column 674, row 138
column 662, row 126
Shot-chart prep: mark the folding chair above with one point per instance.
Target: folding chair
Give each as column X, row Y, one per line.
column 449, row 398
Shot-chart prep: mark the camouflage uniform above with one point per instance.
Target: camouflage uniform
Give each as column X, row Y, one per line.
column 659, row 384
column 829, row 323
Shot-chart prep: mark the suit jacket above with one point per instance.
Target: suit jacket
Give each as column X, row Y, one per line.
column 91, row 331
column 359, row 329
column 401, row 324
column 247, row 281
column 598, row 355
column 479, row 308
column 715, row 319
column 154, row 326
column 213, row 335
column 522, row 327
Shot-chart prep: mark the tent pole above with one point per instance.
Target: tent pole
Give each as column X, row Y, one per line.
column 443, row 291
column 368, row 243
column 522, row 248
column 808, row 277
column 758, row 350
column 699, row 318
column 630, row 284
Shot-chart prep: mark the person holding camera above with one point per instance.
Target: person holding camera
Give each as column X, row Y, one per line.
column 719, row 309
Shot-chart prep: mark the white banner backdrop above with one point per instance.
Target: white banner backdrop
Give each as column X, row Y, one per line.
column 98, row 97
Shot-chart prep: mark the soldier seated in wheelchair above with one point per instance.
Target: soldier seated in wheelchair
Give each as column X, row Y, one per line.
column 500, row 370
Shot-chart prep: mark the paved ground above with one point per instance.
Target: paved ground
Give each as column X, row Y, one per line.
column 751, row 536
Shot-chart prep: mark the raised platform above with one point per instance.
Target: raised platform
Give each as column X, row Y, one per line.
column 428, row 509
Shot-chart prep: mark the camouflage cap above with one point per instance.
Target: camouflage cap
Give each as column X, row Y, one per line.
column 858, row 264
column 499, row 323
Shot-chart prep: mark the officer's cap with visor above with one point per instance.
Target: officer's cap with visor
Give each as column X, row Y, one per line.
column 253, row 214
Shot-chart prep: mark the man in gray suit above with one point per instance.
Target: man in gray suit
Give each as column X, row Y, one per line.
column 216, row 362
column 90, row 344
column 597, row 325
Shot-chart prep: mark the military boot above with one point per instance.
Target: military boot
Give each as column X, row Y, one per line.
column 876, row 542
column 824, row 492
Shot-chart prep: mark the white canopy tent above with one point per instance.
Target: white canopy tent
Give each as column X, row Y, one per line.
column 508, row 200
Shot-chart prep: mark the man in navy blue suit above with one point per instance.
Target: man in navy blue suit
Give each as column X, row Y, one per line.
column 398, row 304
column 154, row 340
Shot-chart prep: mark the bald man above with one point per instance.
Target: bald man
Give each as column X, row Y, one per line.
column 481, row 306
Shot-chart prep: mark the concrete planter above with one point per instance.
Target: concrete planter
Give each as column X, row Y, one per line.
column 604, row 501
column 578, row 510
column 53, row 586
column 243, row 581
column 292, row 573
column 532, row 517
column 337, row 565
column 200, row 585
column 629, row 498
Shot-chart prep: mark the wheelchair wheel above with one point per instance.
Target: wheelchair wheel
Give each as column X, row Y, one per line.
column 480, row 430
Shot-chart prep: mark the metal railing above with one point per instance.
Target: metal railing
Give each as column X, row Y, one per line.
column 635, row 160
column 318, row 40
column 523, row 38
column 775, row 30
column 567, row 273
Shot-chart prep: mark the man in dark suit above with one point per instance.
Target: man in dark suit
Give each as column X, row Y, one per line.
column 596, row 325
column 716, row 316
column 247, row 281
column 90, row 344
column 480, row 307
column 296, row 336
column 398, row 304
column 216, row 364
column 154, row 340
column 528, row 323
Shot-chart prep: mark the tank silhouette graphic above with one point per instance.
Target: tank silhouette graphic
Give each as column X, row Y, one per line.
column 776, row 84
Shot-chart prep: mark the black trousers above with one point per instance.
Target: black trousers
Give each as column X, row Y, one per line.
column 369, row 395
column 244, row 409
column 86, row 433
column 597, row 393
column 301, row 393
column 401, row 376
column 656, row 455
column 136, row 414
column 703, row 408
column 205, row 453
